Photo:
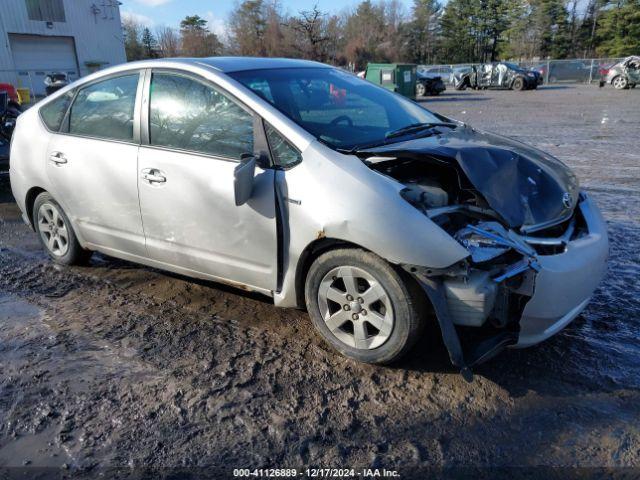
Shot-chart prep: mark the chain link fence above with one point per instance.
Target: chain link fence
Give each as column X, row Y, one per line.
column 589, row 70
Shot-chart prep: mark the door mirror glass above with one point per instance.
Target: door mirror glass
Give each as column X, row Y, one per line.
column 243, row 178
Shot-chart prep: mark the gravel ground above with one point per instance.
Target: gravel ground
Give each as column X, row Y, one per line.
column 117, row 365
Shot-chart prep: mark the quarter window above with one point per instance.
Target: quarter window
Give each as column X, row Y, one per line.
column 191, row 115
column 284, row 154
column 105, row 109
column 53, row 112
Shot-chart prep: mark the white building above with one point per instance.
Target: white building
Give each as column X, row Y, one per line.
column 38, row 37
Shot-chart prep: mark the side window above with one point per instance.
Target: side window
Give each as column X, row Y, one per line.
column 191, row 115
column 105, row 109
column 284, row 154
column 53, row 112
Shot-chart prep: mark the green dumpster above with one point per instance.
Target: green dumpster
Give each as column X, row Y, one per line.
column 397, row 77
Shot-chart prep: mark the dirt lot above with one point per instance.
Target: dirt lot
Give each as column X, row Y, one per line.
column 120, row 365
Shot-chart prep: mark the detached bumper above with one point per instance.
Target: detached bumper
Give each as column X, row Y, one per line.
column 565, row 283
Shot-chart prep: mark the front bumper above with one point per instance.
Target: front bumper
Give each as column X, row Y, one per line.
column 565, row 282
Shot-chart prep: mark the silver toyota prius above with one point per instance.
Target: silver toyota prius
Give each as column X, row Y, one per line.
column 321, row 190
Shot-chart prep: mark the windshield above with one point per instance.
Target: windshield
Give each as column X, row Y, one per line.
column 336, row 107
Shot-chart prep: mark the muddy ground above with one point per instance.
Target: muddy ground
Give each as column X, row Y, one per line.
column 120, row 365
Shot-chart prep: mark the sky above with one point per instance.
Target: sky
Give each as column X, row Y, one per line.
column 169, row 12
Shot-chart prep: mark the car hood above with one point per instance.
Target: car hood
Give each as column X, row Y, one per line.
column 528, row 188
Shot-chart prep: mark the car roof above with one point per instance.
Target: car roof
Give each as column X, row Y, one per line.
column 238, row 64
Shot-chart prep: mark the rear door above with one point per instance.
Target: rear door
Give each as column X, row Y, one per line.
column 195, row 135
column 92, row 164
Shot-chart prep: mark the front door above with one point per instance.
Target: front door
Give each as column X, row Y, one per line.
column 186, row 183
column 92, row 165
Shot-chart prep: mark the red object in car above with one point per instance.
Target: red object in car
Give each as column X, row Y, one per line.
column 339, row 95
column 11, row 91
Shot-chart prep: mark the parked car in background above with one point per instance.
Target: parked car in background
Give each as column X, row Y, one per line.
column 429, row 85
column 497, row 75
column 55, row 81
column 624, row 74
column 442, row 71
column 9, row 112
column 318, row 189
column 565, row 70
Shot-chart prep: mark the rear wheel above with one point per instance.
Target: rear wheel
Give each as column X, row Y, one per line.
column 55, row 232
column 420, row 90
column 364, row 307
column 620, row 82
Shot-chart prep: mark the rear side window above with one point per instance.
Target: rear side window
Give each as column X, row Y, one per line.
column 192, row 115
column 284, row 154
column 53, row 112
column 105, row 109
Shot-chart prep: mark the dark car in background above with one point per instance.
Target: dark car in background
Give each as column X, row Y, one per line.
column 429, row 84
column 443, row 71
column 558, row 71
column 496, row 75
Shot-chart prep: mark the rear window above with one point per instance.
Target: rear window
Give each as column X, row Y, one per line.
column 53, row 112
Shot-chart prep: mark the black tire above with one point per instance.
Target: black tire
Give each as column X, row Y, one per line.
column 405, row 297
column 519, row 84
column 69, row 251
column 633, row 85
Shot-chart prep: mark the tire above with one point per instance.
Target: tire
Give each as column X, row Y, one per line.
column 633, row 85
column 420, row 90
column 519, row 84
column 354, row 287
column 620, row 82
column 56, row 233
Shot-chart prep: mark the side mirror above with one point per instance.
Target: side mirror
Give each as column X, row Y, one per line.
column 243, row 178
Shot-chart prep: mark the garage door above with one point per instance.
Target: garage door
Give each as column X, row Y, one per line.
column 36, row 56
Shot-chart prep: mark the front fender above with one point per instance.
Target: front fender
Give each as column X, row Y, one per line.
column 339, row 197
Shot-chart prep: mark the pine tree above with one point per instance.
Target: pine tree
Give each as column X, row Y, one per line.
column 618, row 31
column 421, row 32
column 149, row 44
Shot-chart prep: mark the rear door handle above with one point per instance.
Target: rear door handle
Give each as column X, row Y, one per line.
column 58, row 158
column 153, row 175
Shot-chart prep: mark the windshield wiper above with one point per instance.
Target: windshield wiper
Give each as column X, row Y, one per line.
column 417, row 127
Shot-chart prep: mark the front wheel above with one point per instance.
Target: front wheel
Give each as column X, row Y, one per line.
column 56, row 233
column 363, row 307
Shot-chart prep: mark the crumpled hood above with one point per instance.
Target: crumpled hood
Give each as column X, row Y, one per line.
column 524, row 185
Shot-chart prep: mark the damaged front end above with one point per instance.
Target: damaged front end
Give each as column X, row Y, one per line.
column 510, row 207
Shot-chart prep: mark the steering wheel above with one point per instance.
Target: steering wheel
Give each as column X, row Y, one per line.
column 341, row 118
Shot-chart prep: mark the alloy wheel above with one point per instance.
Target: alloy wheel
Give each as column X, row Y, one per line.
column 53, row 229
column 619, row 83
column 355, row 307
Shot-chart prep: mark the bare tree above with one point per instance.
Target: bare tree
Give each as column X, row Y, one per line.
column 132, row 30
column 311, row 31
column 168, row 41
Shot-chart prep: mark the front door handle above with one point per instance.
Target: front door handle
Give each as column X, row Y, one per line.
column 153, row 175
column 58, row 158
